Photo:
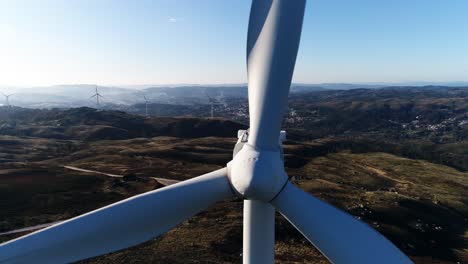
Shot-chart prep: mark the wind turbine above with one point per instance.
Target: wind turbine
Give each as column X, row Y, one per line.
column 7, row 98
column 256, row 174
column 212, row 103
column 146, row 105
column 97, row 95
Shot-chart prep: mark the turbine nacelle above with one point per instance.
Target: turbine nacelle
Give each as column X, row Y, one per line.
column 257, row 174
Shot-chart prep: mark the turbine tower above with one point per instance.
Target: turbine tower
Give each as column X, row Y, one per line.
column 7, row 98
column 146, row 105
column 97, row 95
column 212, row 103
column 256, row 174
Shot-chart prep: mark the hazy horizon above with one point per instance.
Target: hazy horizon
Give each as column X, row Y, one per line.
column 143, row 86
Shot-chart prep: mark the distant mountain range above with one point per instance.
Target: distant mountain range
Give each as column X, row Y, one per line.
column 65, row 96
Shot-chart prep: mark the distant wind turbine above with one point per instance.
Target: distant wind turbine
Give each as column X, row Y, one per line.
column 221, row 99
column 146, row 105
column 7, row 98
column 213, row 102
column 97, row 95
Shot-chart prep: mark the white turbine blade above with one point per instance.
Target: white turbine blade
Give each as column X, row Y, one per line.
column 272, row 44
column 120, row 225
column 338, row 235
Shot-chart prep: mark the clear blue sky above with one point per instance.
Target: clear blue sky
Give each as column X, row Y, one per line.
column 119, row 42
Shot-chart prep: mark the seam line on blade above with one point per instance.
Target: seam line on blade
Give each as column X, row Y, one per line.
column 282, row 188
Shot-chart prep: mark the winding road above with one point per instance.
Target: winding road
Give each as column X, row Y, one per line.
column 163, row 181
column 92, row 171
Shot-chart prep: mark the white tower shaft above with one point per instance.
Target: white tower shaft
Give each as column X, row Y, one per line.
column 259, row 232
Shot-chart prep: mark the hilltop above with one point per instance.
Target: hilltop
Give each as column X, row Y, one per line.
column 90, row 124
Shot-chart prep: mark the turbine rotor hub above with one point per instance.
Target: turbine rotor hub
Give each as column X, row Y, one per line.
column 257, row 174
